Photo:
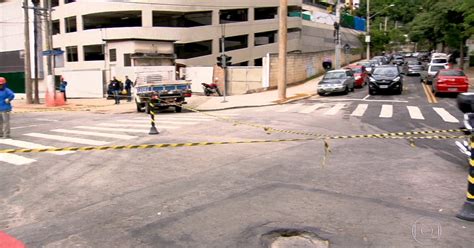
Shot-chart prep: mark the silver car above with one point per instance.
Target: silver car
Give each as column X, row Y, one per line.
column 337, row 81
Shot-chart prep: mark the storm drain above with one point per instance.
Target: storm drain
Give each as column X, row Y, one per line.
column 286, row 238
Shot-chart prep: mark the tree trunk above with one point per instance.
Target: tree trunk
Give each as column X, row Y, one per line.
column 461, row 55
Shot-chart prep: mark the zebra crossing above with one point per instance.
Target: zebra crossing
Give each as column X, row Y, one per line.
column 97, row 134
column 384, row 111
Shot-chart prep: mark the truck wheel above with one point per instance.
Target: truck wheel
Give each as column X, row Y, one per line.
column 139, row 107
column 178, row 109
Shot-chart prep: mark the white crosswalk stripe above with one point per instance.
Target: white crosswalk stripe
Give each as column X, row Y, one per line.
column 415, row 113
column 68, row 139
column 157, row 119
column 386, row 111
column 178, row 119
column 335, row 109
column 360, row 110
column 88, row 133
column 15, row 159
column 445, row 115
column 144, row 125
column 29, row 145
column 289, row 107
column 311, row 108
column 114, row 129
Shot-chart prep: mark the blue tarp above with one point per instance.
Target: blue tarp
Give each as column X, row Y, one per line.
column 359, row 23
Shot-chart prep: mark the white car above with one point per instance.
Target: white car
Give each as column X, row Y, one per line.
column 432, row 70
column 439, row 60
column 439, row 55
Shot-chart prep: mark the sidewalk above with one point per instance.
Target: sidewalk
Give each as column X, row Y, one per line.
column 199, row 102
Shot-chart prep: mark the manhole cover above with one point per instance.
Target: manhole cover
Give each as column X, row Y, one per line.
column 293, row 238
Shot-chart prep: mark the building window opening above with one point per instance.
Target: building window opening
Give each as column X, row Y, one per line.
column 193, row 50
column 265, row 38
column 69, row 1
column 113, row 55
column 71, row 53
column 294, row 11
column 71, row 24
column 93, row 53
column 234, row 43
column 54, row 3
column 127, row 60
column 266, row 13
column 112, row 20
column 258, row 62
column 179, row 19
column 233, row 15
column 55, row 26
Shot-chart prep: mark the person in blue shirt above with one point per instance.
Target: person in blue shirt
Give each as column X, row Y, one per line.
column 6, row 96
column 62, row 88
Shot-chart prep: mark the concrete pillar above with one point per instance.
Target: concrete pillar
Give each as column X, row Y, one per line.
column 147, row 18
column 79, row 23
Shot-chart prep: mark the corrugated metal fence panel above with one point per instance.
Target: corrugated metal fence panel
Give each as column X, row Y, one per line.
column 16, row 81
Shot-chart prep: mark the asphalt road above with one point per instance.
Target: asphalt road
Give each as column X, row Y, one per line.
column 369, row 193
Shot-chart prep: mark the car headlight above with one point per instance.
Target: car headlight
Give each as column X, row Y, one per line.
column 372, row 80
column 358, row 77
column 396, row 79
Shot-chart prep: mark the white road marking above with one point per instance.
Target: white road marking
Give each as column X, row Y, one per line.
column 335, row 109
column 15, row 159
column 144, row 125
column 24, row 126
column 289, row 107
column 311, row 108
column 415, row 113
column 39, row 119
column 386, row 111
column 179, row 118
column 29, row 145
column 447, row 117
column 114, row 129
column 360, row 110
column 68, row 139
column 158, row 119
column 365, row 98
column 106, row 135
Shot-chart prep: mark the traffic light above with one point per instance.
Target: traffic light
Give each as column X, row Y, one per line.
column 224, row 61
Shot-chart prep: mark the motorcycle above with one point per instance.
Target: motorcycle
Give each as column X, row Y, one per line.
column 465, row 103
column 210, row 89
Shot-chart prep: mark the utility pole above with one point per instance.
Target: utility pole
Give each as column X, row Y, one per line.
column 282, row 48
column 337, row 26
column 224, row 65
column 27, row 59
column 49, row 47
column 367, row 37
column 35, row 32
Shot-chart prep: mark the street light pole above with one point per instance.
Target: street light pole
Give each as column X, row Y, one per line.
column 282, row 47
column 337, row 26
column 367, row 37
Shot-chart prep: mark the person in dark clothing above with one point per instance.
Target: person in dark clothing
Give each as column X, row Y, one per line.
column 128, row 88
column 62, row 88
column 115, row 87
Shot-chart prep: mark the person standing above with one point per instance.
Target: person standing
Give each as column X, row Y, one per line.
column 128, row 88
column 62, row 88
column 116, row 88
column 6, row 96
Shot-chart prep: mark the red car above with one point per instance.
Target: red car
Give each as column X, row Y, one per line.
column 450, row 81
column 360, row 74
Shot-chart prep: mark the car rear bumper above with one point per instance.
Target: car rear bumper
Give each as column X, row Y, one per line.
column 445, row 88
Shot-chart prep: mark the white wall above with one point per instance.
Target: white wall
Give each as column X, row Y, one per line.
column 84, row 83
column 198, row 75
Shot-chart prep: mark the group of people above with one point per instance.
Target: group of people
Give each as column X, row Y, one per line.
column 117, row 88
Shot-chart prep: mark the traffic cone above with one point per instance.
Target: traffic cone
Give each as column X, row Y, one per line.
column 467, row 210
column 153, row 129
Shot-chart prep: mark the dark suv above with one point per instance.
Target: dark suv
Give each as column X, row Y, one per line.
column 386, row 78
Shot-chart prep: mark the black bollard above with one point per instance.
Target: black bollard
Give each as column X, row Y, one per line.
column 153, row 129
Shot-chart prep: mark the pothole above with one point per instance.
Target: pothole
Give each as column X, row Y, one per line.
column 286, row 238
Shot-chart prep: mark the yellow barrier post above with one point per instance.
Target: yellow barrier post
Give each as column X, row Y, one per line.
column 467, row 211
column 153, row 129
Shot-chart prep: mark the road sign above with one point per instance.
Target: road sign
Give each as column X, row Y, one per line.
column 367, row 38
column 52, row 52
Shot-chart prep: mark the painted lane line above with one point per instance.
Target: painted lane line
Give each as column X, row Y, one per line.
column 24, row 127
column 144, row 125
column 415, row 113
column 289, row 108
column 311, row 108
column 88, row 133
column 360, row 110
column 161, row 117
column 15, row 159
column 114, row 129
column 386, row 111
column 68, row 139
column 365, row 98
column 158, row 119
column 445, row 115
column 29, row 145
column 335, row 109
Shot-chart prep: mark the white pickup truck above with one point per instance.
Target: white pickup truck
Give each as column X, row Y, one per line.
column 161, row 92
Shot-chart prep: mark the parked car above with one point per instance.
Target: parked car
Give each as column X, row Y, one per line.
column 360, row 75
column 432, row 70
column 413, row 68
column 398, row 60
column 386, row 78
column 450, row 81
column 337, row 81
